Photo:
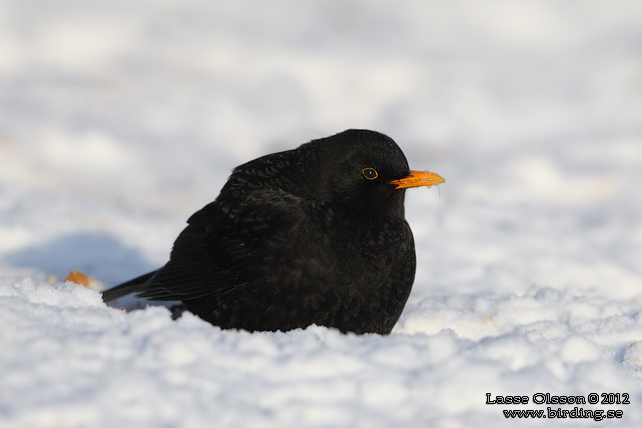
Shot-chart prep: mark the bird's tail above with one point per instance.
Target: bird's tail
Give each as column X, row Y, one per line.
column 131, row 286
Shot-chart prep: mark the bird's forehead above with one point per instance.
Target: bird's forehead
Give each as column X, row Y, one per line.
column 378, row 151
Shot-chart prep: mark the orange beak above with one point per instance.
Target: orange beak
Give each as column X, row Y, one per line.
column 418, row 178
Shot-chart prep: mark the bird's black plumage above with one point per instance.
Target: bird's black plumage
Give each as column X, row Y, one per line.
column 314, row 235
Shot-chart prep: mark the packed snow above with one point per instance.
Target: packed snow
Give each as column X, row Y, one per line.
column 120, row 118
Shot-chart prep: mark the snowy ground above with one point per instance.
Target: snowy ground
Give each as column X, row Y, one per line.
column 120, row 118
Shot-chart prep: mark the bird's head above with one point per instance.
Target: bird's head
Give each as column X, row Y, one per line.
column 361, row 170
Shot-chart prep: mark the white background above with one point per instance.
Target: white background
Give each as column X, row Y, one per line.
column 120, row 118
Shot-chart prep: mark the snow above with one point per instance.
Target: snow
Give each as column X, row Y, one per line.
column 118, row 119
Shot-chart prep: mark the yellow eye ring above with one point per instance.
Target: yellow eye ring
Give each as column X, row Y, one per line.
column 370, row 173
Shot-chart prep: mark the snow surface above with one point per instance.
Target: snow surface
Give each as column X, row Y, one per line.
column 120, row 118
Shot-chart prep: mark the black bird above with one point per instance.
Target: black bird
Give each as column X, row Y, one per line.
column 314, row 235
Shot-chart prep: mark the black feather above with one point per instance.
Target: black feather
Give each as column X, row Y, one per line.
column 297, row 238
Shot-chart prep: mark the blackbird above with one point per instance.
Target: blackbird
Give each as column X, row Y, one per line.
column 314, row 235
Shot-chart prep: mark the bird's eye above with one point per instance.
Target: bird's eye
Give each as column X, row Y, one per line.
column 369, row 173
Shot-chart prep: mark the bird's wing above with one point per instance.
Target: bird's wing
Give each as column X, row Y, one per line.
column 226, row 245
